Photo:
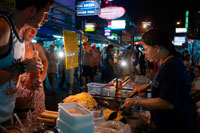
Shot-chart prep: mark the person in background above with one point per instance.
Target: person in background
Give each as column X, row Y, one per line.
column 70, row 79
column 94, row 61
column 142, row 63
column 187, row 61
column 41, row 42
column 196, row 81
column 101, row 64
column 171, row 88
column 86, row 58
column 52, row 68
column 62, row 68
column 137, row 57
column 99, row 58
column 108, row 67
column 27, row 12
column 37, row 91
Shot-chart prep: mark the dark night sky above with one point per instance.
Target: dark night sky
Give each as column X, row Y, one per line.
column 162, row 13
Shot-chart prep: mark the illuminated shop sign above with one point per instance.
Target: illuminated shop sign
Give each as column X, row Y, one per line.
column 113, row 37
column 118, row 24
column 107, row 31
column 137, row 42
column 111, row 12
column 181, row 30
column 86, row 8
column 90, row 27
column 137, row 38
column 179, row 40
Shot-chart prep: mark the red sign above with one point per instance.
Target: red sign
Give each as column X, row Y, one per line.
column 138, row 42
column 111, row 12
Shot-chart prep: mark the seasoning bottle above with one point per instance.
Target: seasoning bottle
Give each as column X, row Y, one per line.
column 119, row 90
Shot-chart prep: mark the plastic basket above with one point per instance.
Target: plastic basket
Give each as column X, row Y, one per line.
column 97, row 118
column 95, row 88
column 74, row 120
column 109, row 91
column 65, row 128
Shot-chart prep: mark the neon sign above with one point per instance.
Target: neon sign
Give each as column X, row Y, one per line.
column 111, row 12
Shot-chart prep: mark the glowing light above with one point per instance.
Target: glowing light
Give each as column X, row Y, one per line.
column 60, row 54
column 144, row 26
column 56, row 36
column 111, row 12
column 33, row 41
column 123, row 63
column 178, row 23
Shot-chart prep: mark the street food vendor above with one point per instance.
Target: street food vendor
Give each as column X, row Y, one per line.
column 171, row 87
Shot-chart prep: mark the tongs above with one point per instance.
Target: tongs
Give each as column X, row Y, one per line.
column 126, row 111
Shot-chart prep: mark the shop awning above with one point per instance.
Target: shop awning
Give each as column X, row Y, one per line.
column 101, row 39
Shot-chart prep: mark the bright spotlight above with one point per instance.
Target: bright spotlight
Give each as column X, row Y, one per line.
column 60, row 54
column 123, row 63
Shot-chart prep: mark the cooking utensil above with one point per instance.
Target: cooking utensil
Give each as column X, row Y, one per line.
column 128, row 111
column 112, row 116
column 101, row 113
column 107, row 102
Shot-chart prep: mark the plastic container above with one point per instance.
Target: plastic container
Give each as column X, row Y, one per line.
column 97, row 118
column 79, row 116
column 65, row 128
column 109, row 91
column 142, row 80
column 126, row 93
column 95, row 88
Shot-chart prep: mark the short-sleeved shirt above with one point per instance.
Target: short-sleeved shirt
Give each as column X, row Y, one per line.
column 108, row 56
column 86, row 57
column 196, row 84
column 172, row 84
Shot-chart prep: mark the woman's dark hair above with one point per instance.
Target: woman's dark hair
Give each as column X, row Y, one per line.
column 161, row 38
column 109, row 47
column 39, row 4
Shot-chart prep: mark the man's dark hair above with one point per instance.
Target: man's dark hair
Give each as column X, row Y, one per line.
column 39, row 4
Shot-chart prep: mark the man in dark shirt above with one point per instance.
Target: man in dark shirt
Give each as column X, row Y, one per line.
column 108, row 65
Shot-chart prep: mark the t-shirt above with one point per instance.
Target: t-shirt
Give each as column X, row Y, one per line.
column 107, row 66
column 172, row 84
column 196, row 84
column 86, row 57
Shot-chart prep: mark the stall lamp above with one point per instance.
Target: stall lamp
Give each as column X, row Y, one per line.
column 61, row 54
column 123, row 63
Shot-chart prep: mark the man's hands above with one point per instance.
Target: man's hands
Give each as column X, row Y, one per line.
column 33, row 65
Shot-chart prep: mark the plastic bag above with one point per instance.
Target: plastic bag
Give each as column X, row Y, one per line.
column 112, row 127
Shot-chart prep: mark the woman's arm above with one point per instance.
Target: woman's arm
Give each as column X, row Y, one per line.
column 153, row 103
column 44, row 61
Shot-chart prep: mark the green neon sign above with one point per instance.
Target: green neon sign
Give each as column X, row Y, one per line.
column 186, row 19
